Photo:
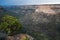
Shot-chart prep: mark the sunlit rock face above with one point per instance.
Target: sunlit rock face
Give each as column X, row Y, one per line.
column 48, row 9
column 45, row 9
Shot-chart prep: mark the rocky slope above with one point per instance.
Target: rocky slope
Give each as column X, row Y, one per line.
column 37, row 18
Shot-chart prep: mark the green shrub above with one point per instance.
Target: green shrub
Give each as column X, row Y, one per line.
column 10, row 25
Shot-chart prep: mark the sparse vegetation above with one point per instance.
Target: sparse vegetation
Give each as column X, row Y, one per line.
column 40, row 25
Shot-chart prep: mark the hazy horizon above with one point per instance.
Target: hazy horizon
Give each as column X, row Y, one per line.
column 28, row 2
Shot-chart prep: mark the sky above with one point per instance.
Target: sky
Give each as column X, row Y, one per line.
column 28, row 2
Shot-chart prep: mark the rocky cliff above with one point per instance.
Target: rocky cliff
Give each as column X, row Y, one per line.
column 38, row 19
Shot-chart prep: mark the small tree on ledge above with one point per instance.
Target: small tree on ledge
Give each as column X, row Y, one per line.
column 10, row 25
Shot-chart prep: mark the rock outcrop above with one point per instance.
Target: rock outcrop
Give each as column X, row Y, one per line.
column 20, row 37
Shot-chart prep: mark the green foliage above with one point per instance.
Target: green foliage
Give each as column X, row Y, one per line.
column 26, row 38
column 10, row 25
